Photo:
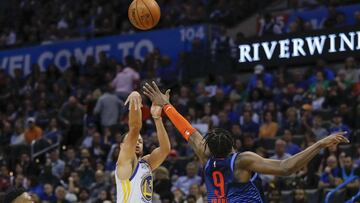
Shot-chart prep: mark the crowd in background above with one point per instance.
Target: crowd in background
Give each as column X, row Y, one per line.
column 40, row 21
column 275, row 114
column 277, row 24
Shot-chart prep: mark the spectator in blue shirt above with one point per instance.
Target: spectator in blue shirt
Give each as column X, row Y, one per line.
column 259, row 74
column 184, row 182
column 48, row 194
column 290, row 148
column 321, row 67
column 249, row 126
column 338, row 124
column 331, row 175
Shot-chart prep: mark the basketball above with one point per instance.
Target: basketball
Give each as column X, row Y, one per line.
column 144, row 14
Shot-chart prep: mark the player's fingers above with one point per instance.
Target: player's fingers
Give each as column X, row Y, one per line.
column 147, row 91
column 341, row 133
column 150, row 88
column 147, row 94
column 167, row 93
column 155, row 86
column 344, row 139
column 127, row 101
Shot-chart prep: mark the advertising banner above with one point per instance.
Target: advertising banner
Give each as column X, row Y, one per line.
column 332, row 44
column 169, row 41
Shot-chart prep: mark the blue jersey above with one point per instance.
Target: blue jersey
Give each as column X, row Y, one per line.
column 222, row 186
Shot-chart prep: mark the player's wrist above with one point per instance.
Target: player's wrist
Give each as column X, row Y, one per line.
column 156, row 117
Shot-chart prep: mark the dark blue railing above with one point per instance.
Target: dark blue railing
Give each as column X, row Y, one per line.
column 331, row 193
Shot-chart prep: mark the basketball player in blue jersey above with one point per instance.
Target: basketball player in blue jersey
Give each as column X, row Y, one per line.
column 133, row 173
column 229, row 175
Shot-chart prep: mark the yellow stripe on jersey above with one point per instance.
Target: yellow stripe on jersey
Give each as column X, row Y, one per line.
column 124, row 189
column 128, row 187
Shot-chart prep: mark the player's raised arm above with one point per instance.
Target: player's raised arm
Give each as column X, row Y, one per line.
column 253, row 162
column 189, row 133
column 127, row 151
column 159, row 154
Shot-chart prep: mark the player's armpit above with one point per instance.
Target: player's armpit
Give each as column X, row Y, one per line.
column 197, row 143
column 253, row 162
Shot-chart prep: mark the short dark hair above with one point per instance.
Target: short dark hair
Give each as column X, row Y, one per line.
column 12, row 194
column 220, row 142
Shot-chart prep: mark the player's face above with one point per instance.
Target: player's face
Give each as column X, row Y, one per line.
column 139, row 146
column 24, row 198
column 299, row 194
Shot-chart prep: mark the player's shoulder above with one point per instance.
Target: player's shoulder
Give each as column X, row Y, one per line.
column 245, row 158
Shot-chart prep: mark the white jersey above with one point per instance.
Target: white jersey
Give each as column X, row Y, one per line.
column 137, row 189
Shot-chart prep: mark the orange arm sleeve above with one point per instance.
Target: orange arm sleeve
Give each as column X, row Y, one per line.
column 181, row 124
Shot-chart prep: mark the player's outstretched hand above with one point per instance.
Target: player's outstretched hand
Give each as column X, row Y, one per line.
column 155, row 95
column 334, row 139
column 134, row 100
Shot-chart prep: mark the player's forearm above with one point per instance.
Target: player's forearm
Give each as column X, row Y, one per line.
column 300, row 160
column 164, row 142
column 135, row 119
column 181, row 124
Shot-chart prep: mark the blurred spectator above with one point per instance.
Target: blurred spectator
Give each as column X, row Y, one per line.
column 317, row 128
column 32, row 132
column 57, row 164
column 223, row 51
column 259, row 75
column 60, row 194
column 280, row 153
column 269, row 128
column 291, row 121
column 18, row 137
column 349, row 171
column 357, row 17
column 342, row 82
column 248, row 125
column 126, row 78
column 299, row 196
column 290, row 148
column 338, row 125
column 162, row 184
column 190, row 199
column 195, row 191
column 184, row 183
column 327, row 73
column 84, row 196
column 53, row 133
column 223, row 46
column 109, row 107
column 357, row 156
column 351, row 67
column 331, row 176
column 270, row 25
column 71, row 114
column 99, row 185
column 48, row 194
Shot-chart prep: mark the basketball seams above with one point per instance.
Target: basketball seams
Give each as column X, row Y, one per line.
column 137, row 13
column 132, row 15
column 152, row 18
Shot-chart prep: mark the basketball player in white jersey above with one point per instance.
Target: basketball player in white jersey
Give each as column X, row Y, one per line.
column 134, row 183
